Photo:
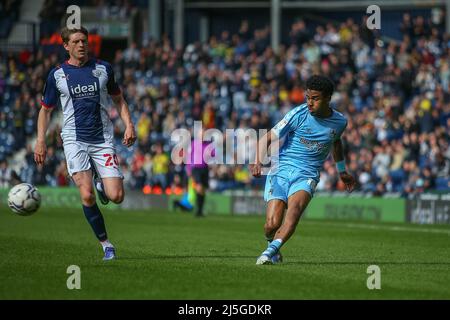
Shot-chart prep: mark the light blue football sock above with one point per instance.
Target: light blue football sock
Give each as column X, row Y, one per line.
column 273, row 248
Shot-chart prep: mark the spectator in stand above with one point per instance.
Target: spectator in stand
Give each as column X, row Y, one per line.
column 5, row 174
column 160, row 167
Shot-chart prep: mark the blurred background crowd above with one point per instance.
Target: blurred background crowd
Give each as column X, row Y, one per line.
column 394, row 92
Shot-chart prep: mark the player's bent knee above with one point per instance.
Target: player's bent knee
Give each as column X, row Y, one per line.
column 87, row 197
column 269, row 229
column 271, row 225
column 117, row 197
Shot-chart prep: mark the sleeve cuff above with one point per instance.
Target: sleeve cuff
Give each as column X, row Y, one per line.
column 46, row 106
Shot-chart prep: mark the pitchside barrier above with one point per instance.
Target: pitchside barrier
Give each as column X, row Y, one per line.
column 423, row 209
column 429, row 209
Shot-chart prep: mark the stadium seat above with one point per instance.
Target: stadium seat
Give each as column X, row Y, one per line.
column 443, row 184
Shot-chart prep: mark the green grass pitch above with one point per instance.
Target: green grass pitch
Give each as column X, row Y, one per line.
column 164, row 255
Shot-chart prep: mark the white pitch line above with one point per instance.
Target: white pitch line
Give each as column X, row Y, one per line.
column 379, row 227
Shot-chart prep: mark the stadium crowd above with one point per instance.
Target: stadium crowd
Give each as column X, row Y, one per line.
column 395, row 93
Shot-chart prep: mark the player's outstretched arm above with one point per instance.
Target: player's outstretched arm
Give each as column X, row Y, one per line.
column 338, row 156
column 40, row 149
column 129, row 136
column 261, row 150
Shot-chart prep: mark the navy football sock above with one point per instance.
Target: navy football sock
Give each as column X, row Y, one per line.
column 95, row 219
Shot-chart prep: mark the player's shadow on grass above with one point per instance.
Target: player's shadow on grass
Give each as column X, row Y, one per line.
column 291, row 261
column 174, row 257
column 365, row 263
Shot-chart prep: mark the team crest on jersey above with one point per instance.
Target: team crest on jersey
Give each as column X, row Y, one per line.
column 333, row 134
column 96, row 73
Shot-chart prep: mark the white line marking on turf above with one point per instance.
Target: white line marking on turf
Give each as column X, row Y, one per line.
column 379, row 227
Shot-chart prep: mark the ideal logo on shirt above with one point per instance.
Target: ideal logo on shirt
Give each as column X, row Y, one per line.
column 80, row 91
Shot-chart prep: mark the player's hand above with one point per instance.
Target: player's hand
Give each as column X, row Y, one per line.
column 348, row 180
column 129, row 136
column 40, row 152
column 255, row 169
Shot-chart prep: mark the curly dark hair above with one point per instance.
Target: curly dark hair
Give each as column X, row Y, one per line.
column 322, row 84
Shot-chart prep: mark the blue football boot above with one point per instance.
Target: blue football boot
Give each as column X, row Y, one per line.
column 110, row 253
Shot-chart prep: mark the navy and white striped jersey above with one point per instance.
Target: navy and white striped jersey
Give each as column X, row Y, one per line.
column 82, row 92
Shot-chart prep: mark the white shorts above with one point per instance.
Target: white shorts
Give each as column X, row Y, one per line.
column 103, row 156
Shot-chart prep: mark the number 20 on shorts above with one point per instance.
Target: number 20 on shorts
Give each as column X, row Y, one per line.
column 111, row 160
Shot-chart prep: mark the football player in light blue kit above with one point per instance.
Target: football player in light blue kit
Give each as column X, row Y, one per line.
column 310, row 131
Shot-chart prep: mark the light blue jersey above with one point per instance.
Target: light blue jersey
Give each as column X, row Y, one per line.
column 305, row 142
